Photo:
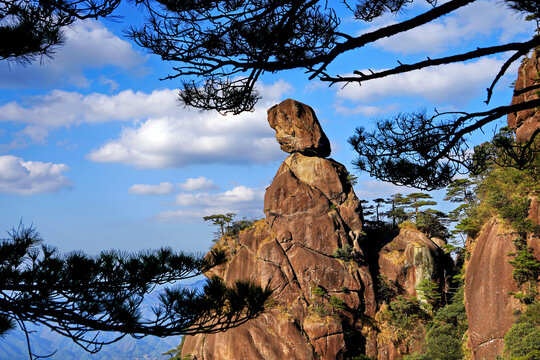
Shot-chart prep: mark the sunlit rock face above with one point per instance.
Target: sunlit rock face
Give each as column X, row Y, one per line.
column 526, row 122
column 311, row 210
column 488, row 283
column 297, row 129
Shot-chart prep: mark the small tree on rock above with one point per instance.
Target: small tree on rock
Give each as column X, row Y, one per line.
column 223, row 221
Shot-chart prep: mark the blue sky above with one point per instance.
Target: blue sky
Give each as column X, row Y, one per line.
column 97, row 153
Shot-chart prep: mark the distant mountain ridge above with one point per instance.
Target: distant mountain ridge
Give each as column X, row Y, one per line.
column 44, row 342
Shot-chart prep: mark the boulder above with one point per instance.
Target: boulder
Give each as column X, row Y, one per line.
column 526, row 122
column 297, row 129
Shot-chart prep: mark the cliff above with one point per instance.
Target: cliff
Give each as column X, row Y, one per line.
column 490, row 285
column 526, row 122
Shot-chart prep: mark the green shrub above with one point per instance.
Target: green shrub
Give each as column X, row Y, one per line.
column 526, row 270
column 404, row 313
column 237, row 226
column 522, row 342
column 385, row 290
column 443, row 342
column 345, row 253
column 318, row 292
column 416, row 356
column 430, row 292
column 445, row 332
column 337, row 304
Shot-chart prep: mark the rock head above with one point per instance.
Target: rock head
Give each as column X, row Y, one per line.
column 297, row 129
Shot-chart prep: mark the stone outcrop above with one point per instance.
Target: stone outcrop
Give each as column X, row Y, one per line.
column 488, row 284
column 410, row 258
column 404, row 263
column 311, row 210
column 526, row 122
column 323, row 305
column 297, row 129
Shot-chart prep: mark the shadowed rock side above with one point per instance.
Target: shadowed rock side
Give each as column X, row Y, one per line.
column 405, row 262
column 526, row 122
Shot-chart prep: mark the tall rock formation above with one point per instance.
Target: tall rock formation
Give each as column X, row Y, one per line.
column 323, row 305
column 488, row 283
column 320, row 303
column 526, row 122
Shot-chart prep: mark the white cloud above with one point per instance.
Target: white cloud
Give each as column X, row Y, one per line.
column 30, row 177
column 240, row 196
column 161, row 133
column 241, row 200
column 163, row 188
column 198, row 184
column 372, row 189
column 64, row 108
column 192, row 137
column 89, row 44
column 453, row 83
column 478, row 20
column 365, row 110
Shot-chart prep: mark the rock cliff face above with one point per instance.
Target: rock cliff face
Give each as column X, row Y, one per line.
column 323, row 307
column 488, row 278
column 488, row 283
column 526, row 122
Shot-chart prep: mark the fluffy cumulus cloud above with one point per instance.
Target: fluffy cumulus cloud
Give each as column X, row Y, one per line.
column 64, row 108
column 238, row 196
column 89, row 44
column 478, row 20
column 198, row 184
column 163, row 188
column 448, row 84
column 30, row 177
column 192, row 137
column 159, row 132
column 241, row 200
